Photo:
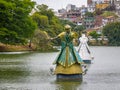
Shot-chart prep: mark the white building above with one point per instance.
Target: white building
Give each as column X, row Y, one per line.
column 70, row 7
column 117, row 6
column 91, row 5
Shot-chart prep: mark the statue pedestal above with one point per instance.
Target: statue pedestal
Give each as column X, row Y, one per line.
column 87, row 61
column 74, row 77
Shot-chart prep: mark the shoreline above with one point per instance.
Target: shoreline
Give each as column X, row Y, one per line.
column 19, row 48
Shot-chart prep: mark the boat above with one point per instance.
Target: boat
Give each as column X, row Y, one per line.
column 84, row 51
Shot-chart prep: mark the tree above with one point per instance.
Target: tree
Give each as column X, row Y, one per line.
column 79, row 29
column 47, row 21
column 94, row 34
column 109, row 13
column 98, row 12
column 64, row 22
column 89, row 14
column 15, row 19
column 41, row 20
column 41, row 41
column 44, row 10
column 112, row 31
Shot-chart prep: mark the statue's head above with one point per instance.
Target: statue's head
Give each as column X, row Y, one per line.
column 67, row 28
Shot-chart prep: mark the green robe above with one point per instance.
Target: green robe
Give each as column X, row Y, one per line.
column 68, row 55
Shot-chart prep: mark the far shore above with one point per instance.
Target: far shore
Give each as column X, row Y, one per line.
column 15, row 48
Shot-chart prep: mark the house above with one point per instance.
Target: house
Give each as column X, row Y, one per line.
column 117, row 6
column 98, row 21
column 91, row 5
column 107, row 20
column 89, row 22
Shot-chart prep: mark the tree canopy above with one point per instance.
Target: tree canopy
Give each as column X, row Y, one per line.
column 79, row 29
column 112, row 31
column 89, row 14
column 46, row 20
column 108, row 13
column 16, row 25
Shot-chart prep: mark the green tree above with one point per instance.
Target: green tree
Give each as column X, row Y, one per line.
column 14, row 16
column 41, row 41
column 41, row 20
column 89, row 14
column 112, row 31
column 98, row 12
column 94, row 34
column 79, row 29
column 44, row 10
column 64, row 22
column 47, row 21
column 109, row 13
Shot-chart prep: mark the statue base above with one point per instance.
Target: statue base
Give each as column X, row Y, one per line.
column 87, row 61
column 74, row 77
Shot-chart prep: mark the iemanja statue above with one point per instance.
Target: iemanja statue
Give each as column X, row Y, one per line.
column 68, row 60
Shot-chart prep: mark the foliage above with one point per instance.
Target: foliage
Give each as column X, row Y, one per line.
column 94, row 34
column 79, row 29
column 108, row 13
column 112, row 31
column 44, row 10
column 9, row 37
column 64, row 22
column 98, row 12
column 16, row 24
column 47, row 21
column 41, row 20
column 89, row 14
column 41, row 40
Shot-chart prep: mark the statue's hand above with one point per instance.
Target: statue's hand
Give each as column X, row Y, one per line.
column 50, row 39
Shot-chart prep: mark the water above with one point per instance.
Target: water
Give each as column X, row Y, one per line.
column 31, row 71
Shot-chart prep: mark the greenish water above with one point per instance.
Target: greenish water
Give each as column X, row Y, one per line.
column 31, row 71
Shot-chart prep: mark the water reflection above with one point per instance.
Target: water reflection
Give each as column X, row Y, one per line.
column 10, row 75
column 13, row 67
column 68, row 85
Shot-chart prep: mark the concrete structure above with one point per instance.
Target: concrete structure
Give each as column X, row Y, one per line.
column 61, row 11
column 72, row 16
column 83, row 10
column 98, row 21
column 70, row 7
column 117, row 6
column 107, row 20
column 90, row 6
column 89, row 22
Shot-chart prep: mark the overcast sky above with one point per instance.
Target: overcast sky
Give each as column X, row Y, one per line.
column 59, row 4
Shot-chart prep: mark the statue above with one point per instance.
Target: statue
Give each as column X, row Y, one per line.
column 68, row 62
column 84, row 50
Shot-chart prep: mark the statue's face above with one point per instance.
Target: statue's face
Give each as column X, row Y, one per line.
column 67, row 30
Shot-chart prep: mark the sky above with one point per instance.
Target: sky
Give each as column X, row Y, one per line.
column 59, row 4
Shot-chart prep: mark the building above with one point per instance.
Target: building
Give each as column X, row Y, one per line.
column 61, row 11
column 78, row 21
column 70, row 7
column 89, row 22
column 72, row 16
column 102, row 6
column 89, row 2
column 91, row 6
column 98, row 21
column 107, row 20
column 117, row 6
column 83, row 10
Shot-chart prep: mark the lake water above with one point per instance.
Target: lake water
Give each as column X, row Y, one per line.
column 31, row 71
